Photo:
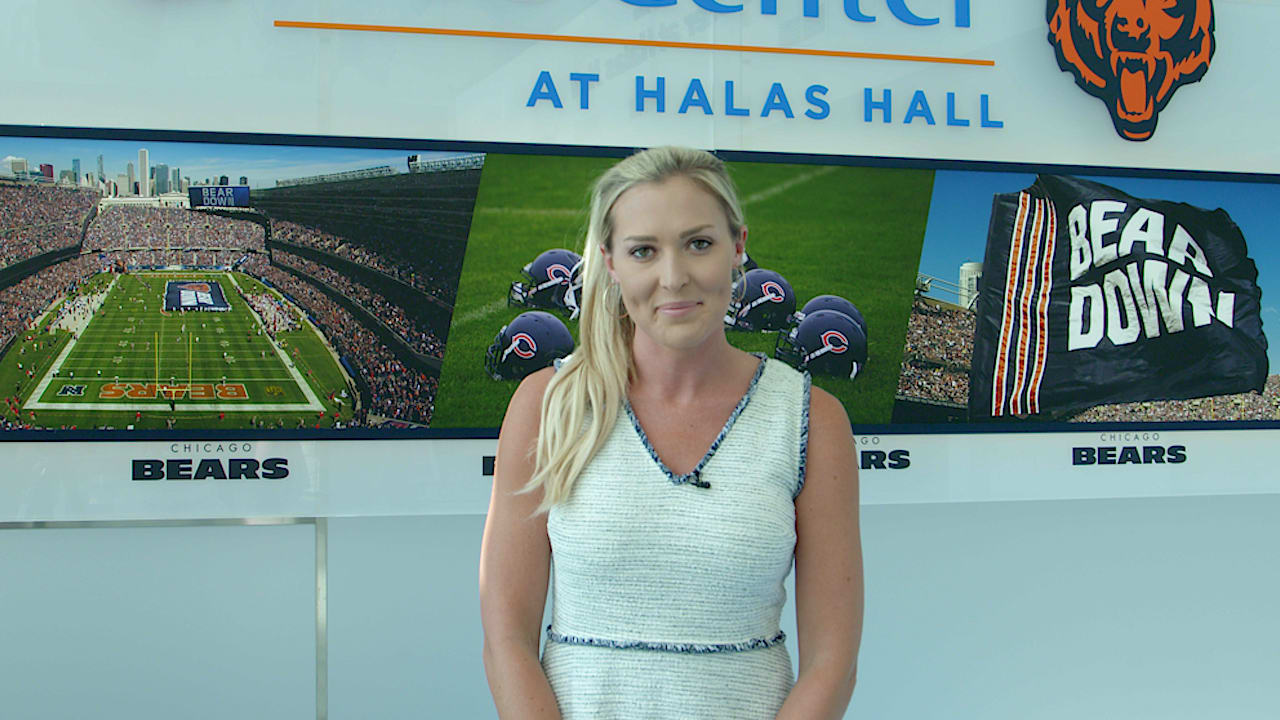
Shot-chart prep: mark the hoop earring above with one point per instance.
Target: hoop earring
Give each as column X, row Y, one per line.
column 613, row 301
column 739, row 288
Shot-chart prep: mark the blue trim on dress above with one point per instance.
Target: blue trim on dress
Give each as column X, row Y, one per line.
column 694, row 476
column 689, row 648
column 804, row 434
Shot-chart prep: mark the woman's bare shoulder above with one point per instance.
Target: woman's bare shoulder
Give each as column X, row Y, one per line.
column 526, row 403
column 827, row 415
column 519, row 434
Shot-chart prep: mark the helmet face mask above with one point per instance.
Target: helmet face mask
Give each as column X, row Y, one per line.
column 551, row 281
column 530, row 342
column 762, row 300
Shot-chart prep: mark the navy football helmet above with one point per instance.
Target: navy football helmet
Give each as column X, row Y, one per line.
column 553, row 281
column 826, row 342
column 530, row 342
column 830, row 302
column 762, row 300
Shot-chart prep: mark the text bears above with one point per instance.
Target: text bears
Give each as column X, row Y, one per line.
column 1129, row 455
column 855, row 10
column 211, row 469
column 882, row 460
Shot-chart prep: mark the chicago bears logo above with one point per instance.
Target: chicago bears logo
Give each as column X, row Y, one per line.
column 1132, row 54
column 835, row 341
column 195, row 287
column 556, row 271
column 529, row 346
column 773, row 292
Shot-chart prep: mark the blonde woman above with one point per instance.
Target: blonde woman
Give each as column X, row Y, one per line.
column 665, row 480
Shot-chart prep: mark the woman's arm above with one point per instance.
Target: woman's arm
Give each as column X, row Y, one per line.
column 515, row 558
column 828, row 568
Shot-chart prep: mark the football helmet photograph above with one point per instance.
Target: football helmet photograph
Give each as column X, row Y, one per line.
column 551, row 281
column 530, row 342
column 826, row 342
column 762, row 300
column 830, row 302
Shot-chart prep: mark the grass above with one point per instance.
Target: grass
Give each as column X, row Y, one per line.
column 854, row 232
column 133, row 359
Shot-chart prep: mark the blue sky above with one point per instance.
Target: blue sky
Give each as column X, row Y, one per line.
column 262, row 164
column 961, row 209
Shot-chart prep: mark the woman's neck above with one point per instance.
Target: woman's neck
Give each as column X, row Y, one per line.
column 685, row 374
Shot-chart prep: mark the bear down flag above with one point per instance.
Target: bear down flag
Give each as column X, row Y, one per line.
column 1090, row 297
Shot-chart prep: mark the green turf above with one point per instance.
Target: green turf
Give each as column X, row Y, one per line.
column 854, row 232
column 221, row 373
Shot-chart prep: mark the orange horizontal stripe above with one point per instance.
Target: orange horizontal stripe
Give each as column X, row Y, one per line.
column 631, row 41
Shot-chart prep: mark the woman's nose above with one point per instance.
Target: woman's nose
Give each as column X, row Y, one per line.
column 674, row 273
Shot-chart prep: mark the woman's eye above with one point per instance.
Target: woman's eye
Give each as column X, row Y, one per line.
column 641, row 252
column 699, row 243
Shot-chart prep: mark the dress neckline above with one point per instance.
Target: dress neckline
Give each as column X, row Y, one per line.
column 694, row 476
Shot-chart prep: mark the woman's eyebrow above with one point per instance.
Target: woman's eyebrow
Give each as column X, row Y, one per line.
column 695, row 231
column 652, row 239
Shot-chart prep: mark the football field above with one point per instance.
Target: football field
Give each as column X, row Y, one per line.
column 118, row 356
column 850, row 231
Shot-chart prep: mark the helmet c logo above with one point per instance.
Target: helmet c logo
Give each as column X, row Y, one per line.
column 835, row 340
column 773, row 291
column 556, row 271
column 529, row 349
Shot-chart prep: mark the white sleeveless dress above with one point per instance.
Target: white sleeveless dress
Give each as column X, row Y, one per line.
column 668, row 589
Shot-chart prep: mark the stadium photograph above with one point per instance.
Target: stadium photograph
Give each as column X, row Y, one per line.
column 849, row 232
column 315, row 293
column 939, row 354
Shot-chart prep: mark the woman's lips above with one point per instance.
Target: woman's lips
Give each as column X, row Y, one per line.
column 675, row 309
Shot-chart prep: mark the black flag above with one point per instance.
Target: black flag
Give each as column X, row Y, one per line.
column 1090, row 297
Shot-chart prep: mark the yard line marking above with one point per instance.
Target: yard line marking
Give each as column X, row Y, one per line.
column 183, row 381
column 32, row 400
column 553, row 212
column 786, row 185
column 480, row 313
column 179, row 407
column 303, row 385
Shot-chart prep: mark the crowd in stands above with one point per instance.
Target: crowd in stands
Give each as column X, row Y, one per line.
column 35, row 219
column 933, row 383
column 940, row 334
column 273, row 315
column 420, row 338
column 1242, row 406
column 395, row 258
column 939, row 348
column 188, row 258
column 23, row 302
column 398, row 392
column 125, row 226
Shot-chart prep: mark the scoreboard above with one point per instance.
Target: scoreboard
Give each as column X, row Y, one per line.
column 219, row 196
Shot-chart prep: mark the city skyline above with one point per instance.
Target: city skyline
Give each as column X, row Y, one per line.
column 261, row 165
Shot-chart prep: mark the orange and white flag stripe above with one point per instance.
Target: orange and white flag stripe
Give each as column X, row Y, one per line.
column 1024, row 325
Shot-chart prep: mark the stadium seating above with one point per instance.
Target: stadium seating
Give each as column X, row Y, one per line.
column 397, row 392
column 122, row 227
column 35, row 219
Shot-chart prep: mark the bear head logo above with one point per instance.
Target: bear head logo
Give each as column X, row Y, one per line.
column 1132, row 54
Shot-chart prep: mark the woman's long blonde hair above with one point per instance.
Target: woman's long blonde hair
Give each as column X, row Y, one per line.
column 583, row 398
